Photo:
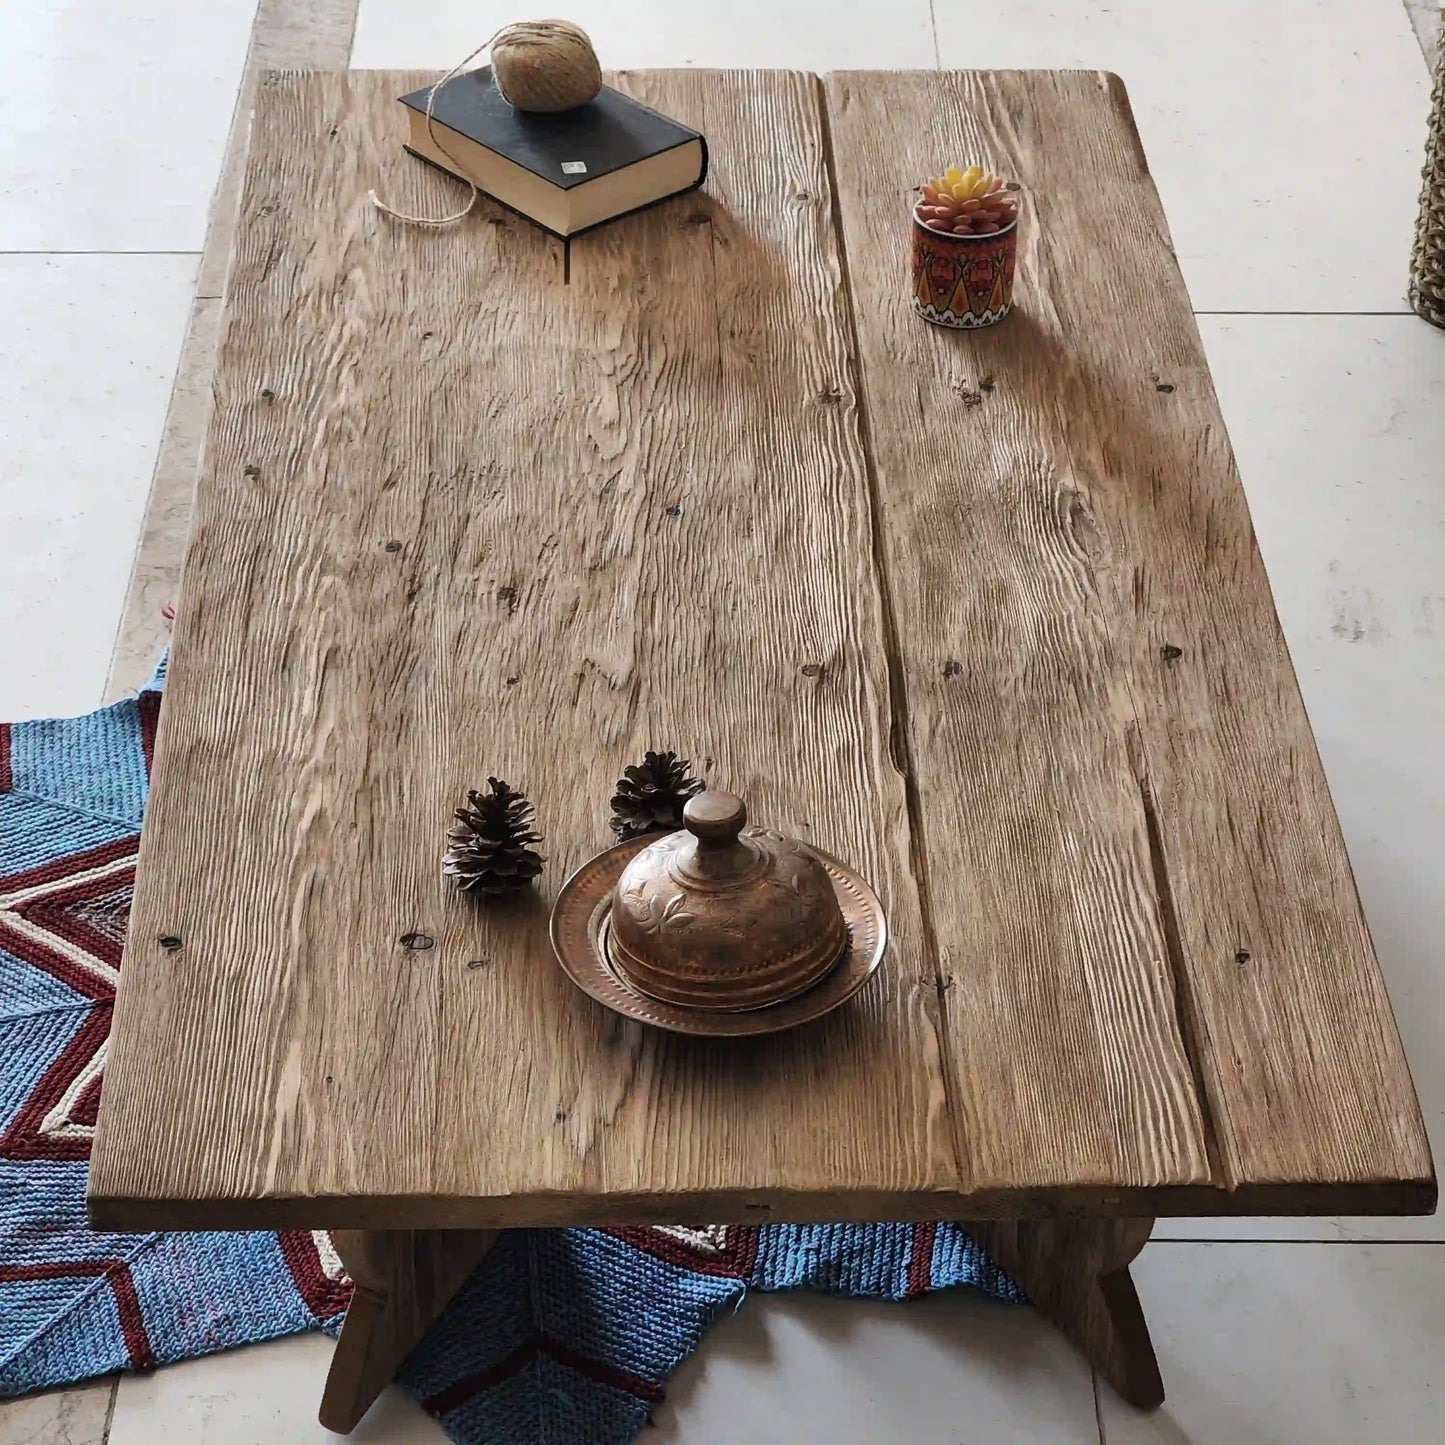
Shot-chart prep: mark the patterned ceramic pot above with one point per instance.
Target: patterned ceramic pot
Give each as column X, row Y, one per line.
column 963, row 281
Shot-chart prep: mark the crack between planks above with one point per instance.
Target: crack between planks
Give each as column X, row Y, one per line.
column 899, row 744
column 1184, row 1010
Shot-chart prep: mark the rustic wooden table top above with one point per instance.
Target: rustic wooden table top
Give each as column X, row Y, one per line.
column 981, row 613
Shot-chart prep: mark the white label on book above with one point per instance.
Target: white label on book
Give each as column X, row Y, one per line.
column 574, row 168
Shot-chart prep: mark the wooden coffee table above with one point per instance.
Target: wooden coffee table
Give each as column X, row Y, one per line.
column 981, row 613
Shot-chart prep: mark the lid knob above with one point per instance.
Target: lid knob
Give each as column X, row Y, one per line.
column 714, row 818
column 721, row 916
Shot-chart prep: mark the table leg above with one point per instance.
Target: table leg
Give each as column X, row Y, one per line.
column 404, row 1279
column 1076, row 1271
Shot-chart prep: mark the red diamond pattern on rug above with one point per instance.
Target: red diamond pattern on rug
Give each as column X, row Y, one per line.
column 316, row 1268
column 712, row 1249
column 76, row 1303
column 68, row 918
column 116, row 1273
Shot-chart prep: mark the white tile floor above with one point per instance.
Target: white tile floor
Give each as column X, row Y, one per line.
column 262, row 1395
column 113, row 114
column 1285, row 135
column 1254, row 114
column 805, row 36
column 89, row 352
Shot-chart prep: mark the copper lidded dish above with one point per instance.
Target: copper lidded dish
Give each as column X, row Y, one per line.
column 718, row 928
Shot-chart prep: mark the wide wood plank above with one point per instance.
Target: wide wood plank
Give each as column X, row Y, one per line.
column 474, row 505
column 1121, row 808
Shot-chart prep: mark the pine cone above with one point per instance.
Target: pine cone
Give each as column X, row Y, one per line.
column 650, row 795
column 491, row 842
column 967, row 203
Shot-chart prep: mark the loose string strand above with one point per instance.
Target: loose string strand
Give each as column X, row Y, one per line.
column 405, row 217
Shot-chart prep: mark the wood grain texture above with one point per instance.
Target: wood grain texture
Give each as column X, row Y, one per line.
column 1076, row 1274
column 1122, row 811
column 627, row 507
column 475, row 502
column 403, row 1279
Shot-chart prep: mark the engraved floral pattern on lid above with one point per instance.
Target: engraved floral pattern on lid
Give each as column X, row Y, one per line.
column 723, row 916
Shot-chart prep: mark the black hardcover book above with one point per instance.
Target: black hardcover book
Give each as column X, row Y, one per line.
column 568, row 170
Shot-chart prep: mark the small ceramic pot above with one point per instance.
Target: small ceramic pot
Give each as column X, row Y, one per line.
column 964, row 281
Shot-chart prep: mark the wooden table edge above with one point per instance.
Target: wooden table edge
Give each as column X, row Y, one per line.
column 560, row 1211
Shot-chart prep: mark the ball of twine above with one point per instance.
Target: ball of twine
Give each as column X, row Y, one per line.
column 539, row 65
column 545, row 65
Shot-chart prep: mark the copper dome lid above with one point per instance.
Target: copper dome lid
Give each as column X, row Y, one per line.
column 724, row 917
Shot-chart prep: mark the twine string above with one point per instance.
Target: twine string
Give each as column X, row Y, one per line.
column 405, row 217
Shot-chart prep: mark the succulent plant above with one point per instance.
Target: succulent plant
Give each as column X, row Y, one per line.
column 967, row 203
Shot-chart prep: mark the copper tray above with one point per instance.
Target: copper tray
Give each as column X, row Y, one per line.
column 579, row 939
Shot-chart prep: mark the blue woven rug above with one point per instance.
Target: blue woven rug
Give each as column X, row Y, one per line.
column 559, row 1335
column 73, row 1302
column 568, row 1334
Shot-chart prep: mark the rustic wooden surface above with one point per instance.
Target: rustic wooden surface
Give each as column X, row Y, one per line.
column 1076, row 1274
column 404, row 1279
column 475, row 502
column 616, row 494
column 1147, row 832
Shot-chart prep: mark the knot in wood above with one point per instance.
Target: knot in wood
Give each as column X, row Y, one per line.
column 1083, row 529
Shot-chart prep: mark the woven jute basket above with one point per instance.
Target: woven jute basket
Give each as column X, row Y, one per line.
column 1427, row 264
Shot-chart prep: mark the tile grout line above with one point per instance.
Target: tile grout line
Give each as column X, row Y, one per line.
column 110, row 1409
column 99, row 253
column 1155, row 1242
column 1304, row 313
column 1098, row 1407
